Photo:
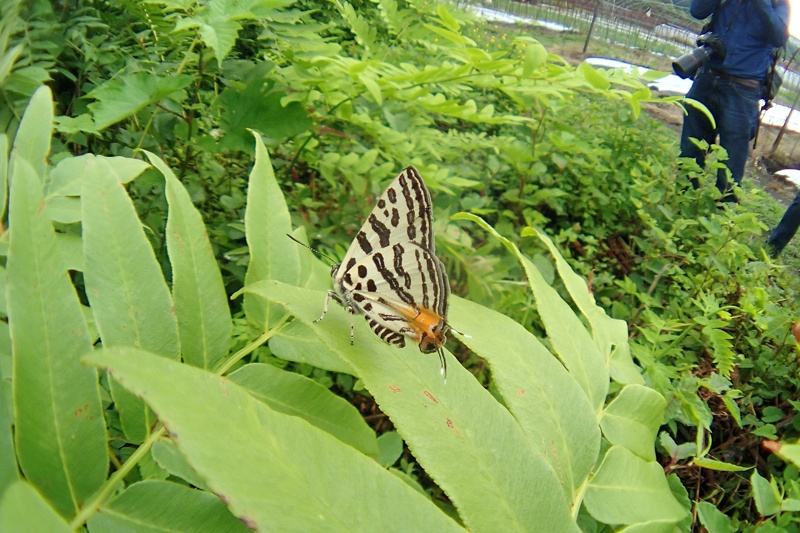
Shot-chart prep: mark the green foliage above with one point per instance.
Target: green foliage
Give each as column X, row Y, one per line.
column 342, row 95
column 536, row 456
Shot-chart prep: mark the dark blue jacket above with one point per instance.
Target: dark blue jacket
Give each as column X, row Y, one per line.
column 750, row 30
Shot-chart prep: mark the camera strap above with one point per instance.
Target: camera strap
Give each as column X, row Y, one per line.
column 715, row 16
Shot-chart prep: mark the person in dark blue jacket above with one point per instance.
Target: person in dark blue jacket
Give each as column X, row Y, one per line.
column 785, row 229
column 730, row 83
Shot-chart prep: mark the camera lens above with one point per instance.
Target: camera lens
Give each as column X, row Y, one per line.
column 686, row 66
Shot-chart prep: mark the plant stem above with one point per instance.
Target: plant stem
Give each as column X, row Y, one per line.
column 116, row 478
column 91, row 507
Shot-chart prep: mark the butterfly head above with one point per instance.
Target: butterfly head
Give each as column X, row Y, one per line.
column 430, row 330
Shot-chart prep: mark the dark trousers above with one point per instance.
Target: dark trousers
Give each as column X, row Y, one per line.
column 786, row 228
column 735, row 110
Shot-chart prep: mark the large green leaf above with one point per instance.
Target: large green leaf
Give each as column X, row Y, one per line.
column 766, row 494
column 568, row 336
column 296, row 342
column 60, row 431
column 201, row 305
column 272, row 254
column 168, row 457
column 632, row 420
column 3, row 174
column 610, row 334
column 713, row 519
column 446, row 424
column 23, row 509
column 545, row 399
column 159, row 506
column 8, row 458
column 622, row 479
column 276, row 472
column 66, row 177
column 256, row 107
column 130, row 300
column 32, row 142
column 293, row 394
column 124, row 95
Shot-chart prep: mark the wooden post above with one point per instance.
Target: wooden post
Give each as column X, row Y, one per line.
column 591, row 26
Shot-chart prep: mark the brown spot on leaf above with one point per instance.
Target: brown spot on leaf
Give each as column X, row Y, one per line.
column 521, row 392
column 394, row 388
column 249, row 522
column 431, row 397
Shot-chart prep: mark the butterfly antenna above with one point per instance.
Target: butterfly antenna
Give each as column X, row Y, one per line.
column 459, row 333
column 329, row 258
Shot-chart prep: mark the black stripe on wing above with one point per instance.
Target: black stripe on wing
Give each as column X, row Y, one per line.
column 386, row 334
column 402, row 214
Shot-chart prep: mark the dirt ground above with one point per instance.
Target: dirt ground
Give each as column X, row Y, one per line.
column 760, row 165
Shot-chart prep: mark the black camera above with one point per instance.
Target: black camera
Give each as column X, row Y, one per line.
column 708, row 45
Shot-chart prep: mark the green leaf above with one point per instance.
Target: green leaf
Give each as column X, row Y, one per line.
column 158, row 506
column 124, row 95
column 567, row 334
column 700, row 107
column 390, row 445
column 23, row 509
column 8, row 457
column 765, row 494
column 59, row 427
column 272, row 254
column 277, row 472
column 611, row 335
column 219, row 35
column 448, row 21
column 712, row 464
column 446, row 425
column 790, row 505
column 372, row 86
column 256, row 106
column 201, row 305
column 66, row 178
column 297, row 342
column 168, row 457
column 652, row 526
column 713, row 519
column 3, row 175
column 32, row 142
column 130, row 300
column 63, row 210
column 296, row 395
column 787, row 452
column 632, row 420
column 544, row 398
column 624, row 478
column 595, row 78
column 364, row 32
column 535, row 58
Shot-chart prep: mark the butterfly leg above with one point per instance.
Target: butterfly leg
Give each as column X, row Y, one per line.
column 328, row 296
column 352, row 334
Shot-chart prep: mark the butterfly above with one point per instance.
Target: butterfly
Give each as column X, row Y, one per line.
column 391, row 275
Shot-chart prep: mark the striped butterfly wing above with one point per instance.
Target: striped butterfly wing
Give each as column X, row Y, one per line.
column 407, row 298
column 391, row 273
column 402, row 214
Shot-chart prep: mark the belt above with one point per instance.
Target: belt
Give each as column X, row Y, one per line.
column 750, row 83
